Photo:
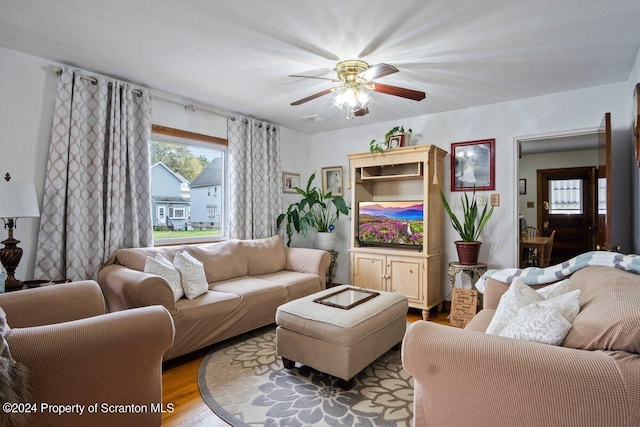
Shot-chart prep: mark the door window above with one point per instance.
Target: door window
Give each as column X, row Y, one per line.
column 565, row 196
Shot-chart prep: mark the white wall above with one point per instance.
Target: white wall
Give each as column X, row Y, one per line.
column 506, row 121
column 26, row 109
column 530, row 163
column 28, row 89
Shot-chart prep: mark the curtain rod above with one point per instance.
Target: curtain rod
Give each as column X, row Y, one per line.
column 138, row 92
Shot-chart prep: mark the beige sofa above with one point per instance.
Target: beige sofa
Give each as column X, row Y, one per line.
column 79, row 355
column 464, row 377
column 248, row 280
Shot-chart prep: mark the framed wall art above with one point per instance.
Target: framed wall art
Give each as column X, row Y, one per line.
column 473, row 165
column 522, row 186
column 290, row 181
column 332, row 180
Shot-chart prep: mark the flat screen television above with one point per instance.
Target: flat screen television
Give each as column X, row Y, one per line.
column 391, row 223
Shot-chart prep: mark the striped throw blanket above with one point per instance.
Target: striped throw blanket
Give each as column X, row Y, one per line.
column 538, row 276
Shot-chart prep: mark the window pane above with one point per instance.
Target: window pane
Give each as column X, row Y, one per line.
column 602, row 196
column 565, row 196
column 187, row 190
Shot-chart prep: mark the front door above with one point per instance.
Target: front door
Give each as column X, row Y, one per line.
column 567, row 203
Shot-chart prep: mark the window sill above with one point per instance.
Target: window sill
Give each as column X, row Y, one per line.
column 197, row 240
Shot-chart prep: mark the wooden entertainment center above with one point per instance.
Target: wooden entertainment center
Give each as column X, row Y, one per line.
column 412, row 173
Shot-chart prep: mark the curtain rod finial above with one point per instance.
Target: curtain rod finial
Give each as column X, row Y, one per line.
column 7, row 176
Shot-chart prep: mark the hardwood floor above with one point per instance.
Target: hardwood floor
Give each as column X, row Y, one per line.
column 180, row 384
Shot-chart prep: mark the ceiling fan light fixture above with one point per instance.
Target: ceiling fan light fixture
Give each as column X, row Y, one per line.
column 351, row 98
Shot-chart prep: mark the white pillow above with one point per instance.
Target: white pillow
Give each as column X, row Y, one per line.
column 194, row 281
column 517, row 296
column 553, row 290
column 163, row 268
column 541, row 324
column 568, row 304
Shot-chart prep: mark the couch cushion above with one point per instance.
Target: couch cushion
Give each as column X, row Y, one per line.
column 298, row 285
column 609, row 316
column 162, row 267
column 222, row 261
column 194, row 282
column 264, row 256
column 205, row 305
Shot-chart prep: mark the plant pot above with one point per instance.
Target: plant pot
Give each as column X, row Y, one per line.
column 468, row 252
column 325, row 241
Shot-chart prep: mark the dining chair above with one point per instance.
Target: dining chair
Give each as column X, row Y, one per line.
column 530, row 255
column 548, row 248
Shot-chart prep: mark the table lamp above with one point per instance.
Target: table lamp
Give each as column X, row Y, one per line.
column 17, row 200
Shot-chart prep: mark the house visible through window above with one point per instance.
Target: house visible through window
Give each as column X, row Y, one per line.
column 187, row 179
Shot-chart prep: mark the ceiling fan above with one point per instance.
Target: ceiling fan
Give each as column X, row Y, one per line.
column 355, row 77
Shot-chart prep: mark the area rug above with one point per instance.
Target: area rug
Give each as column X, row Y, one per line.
column 244, row 383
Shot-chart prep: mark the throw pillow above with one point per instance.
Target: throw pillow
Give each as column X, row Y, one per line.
column 568, row 304
column 163, row 268
column 517, row 296
column 537, row 323
column 194, row 281
column 555, row 289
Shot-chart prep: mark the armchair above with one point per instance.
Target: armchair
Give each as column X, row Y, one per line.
column 464, row 377
column 79, row 355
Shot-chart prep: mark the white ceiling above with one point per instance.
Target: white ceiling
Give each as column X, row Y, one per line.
column 236, row 55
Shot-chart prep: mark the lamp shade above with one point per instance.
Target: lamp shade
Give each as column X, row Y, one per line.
column 18, row 200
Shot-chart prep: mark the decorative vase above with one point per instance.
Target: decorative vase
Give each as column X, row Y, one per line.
column 325, row 241
column 468, row 252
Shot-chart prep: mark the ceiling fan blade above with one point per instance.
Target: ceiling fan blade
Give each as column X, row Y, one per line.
column 398, row 91
column 361, row 112
column 312, row 97
column 377, row 71
column 314, row 77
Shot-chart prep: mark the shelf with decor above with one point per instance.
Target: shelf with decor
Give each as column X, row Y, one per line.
column 401, row 186
column 391, row 172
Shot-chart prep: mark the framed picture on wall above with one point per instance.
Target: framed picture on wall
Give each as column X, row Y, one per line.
column 473, row 165
column 290, row 181
column 332, row 180
column 522, row 186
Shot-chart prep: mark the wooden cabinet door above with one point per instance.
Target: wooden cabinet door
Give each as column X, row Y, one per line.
column 369, row 271
column 404, row 275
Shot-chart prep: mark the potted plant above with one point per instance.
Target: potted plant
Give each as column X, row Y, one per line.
column 316, row 211
column 375, row 146
column 470, row 228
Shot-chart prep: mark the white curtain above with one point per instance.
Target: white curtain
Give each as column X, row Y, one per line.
column 97, row 194
column 255, row 175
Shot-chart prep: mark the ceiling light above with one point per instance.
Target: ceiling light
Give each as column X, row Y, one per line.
column 351, row 98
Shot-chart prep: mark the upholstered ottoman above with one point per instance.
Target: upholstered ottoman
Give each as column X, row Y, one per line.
column 336, row 341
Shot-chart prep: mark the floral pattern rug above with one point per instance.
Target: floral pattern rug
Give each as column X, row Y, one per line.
column 244, row 383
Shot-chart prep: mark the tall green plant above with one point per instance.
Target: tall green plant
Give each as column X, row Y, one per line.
column 472, row 225
column 316, row 211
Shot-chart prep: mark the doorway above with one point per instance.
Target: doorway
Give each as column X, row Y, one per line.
column 567, row 201
column 559, row 150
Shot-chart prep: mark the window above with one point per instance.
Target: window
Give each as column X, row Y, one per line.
column 212, row 211
column 185, row 167
column 602, row 196
column 177, row 213
column 565, row 196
